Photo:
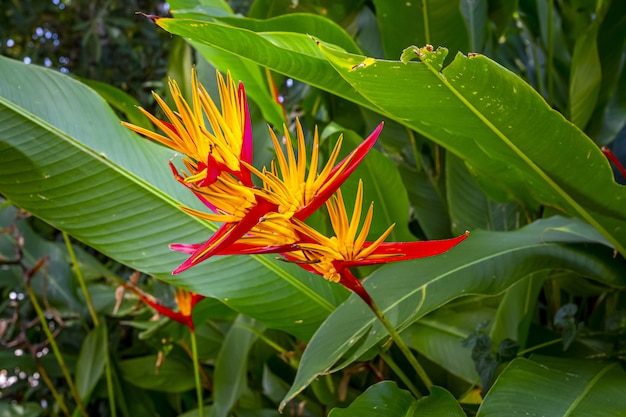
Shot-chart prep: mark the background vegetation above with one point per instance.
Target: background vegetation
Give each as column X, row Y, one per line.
column 528, row 315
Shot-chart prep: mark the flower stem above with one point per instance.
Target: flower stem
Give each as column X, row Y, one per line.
column 398, row 371
column 48, row 382
column 395, row 336
column 109, row 379
column 81, row 280
column 196, row 372
column 352, row 283
column 55, row 350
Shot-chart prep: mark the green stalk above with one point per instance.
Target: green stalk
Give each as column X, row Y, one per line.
column 196, row 372
column 395, row 336
column 55, row 349
column 81, row 280
column 109, row 379
column 94, row 318
column 55, row 393
column 398, row 371
column 539, row 346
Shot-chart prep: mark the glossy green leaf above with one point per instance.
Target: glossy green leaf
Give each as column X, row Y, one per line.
column 292, row 54
column 475, row 13
column 231, row 365
column 557, row 387
column 609, row 116
column 438, row 336
column 485, row 263
column 91, row 360
column 516, row 310
column 385, row 399
column 586, row 76
column 435, row 22
column 173, row 375
column 470, row 208
column 66, row 159
column 120, row 101
column 501, row 143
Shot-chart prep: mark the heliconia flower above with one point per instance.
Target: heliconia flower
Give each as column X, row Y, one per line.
column 289, row 191
column 333, row 257
column 186, row 300
column 208, row 152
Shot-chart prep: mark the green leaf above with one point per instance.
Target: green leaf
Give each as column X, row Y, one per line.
column 119, row 100
column 516, row 309
column 91, row 360
column 385, row 399
column 557, row 387
column 499, row 139
column 485, row 263
column 586, row 76
column 438, row 336
column 470, row 208
column 439, row 403
column 172, row 376
column 292, row 54
column 66, row 159
column 475, row 13
column 231, row 365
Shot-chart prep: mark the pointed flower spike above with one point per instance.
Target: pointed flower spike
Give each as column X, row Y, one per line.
column 332, row 257
column 339, row 174
column 208, row 151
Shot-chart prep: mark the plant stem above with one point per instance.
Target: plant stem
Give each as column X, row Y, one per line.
column 109, row 379
column 398, row 371
column 539, row 346
column 395, row 336
column 55, row 393
column 81, row 280
column 196, row 372
column 94, row 318
column 55, row 349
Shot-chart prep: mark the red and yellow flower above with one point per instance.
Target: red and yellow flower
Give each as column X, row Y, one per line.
column 270, row 218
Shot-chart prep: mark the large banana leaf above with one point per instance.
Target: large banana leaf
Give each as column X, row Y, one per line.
column 65, row 158
column 517, row 146
column 486, row 263
column 557, row 387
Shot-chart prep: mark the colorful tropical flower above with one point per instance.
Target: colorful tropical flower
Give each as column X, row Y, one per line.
column 333, row 257
column 219, row 167
column 289, row 191
column 186, row 300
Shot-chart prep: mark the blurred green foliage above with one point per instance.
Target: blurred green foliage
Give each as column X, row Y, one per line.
column 102, row 40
